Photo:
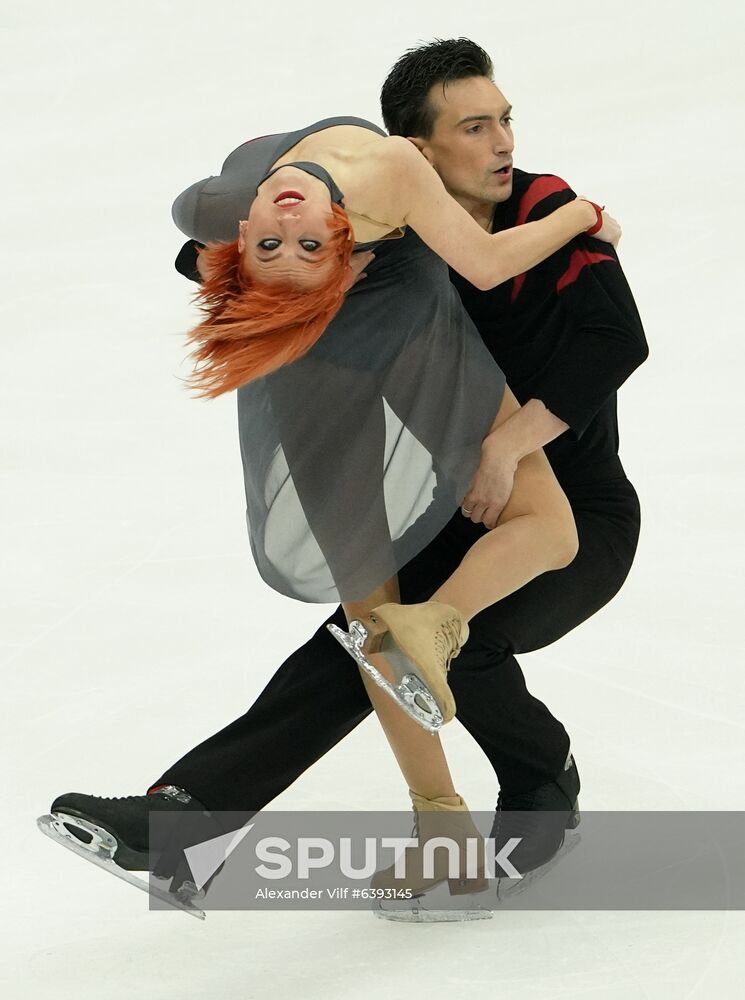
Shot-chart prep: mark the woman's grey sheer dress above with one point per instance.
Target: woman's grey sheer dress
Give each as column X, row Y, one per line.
column 358, row 454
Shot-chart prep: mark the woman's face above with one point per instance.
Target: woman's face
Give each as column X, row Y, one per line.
column 287, row 229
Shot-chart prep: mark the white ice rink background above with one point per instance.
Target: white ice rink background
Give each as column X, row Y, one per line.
column 133, row 623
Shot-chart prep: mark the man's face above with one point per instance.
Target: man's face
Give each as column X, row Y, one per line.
column 471, row 144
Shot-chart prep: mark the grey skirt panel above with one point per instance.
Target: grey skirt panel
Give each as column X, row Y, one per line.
column 358, row 454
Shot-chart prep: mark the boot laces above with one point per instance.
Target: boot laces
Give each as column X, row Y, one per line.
column 447, row 641
column 170, row 793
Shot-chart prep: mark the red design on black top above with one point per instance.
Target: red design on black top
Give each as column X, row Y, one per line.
column 578, row 260
column 540, row 188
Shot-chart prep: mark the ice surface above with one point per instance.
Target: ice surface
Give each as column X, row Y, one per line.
column 133, row 623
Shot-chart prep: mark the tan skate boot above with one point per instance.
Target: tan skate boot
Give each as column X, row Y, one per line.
column 428, row 635
column 418, row 642
column 435, row 893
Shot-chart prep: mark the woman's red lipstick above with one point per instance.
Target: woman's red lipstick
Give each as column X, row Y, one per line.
column 289, row 194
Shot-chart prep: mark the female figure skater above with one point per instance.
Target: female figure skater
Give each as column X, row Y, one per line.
column 363, row 405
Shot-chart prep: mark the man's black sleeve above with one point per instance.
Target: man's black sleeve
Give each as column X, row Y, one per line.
column 186, row 262
column 602, row 340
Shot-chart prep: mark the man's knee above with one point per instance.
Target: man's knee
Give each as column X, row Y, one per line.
column 564, row 538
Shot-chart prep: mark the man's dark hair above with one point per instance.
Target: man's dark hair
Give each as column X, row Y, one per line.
column 404, row 97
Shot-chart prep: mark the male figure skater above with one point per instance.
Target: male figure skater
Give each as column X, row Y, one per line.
column 567, row 334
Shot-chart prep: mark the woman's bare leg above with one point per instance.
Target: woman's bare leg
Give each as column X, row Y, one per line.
column 535, row 533
column 418, row 752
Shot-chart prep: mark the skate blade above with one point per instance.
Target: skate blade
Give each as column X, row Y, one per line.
column 410, row 693
column 507, row 887
column 433, row 907
column 100, row 854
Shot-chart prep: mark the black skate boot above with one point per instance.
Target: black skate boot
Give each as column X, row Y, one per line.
column 126, row 819
column 113, row 833
column 541, row 819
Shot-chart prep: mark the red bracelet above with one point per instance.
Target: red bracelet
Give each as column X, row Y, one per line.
column 599, row 223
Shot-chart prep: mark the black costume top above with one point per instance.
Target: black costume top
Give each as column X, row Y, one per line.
column 567, row 332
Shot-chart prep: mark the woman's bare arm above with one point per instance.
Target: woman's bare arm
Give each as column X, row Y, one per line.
column 415, row 194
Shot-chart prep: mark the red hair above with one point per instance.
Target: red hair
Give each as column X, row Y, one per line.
column 252, row 328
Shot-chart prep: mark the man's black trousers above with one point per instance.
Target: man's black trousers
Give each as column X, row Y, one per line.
column 317, row 696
